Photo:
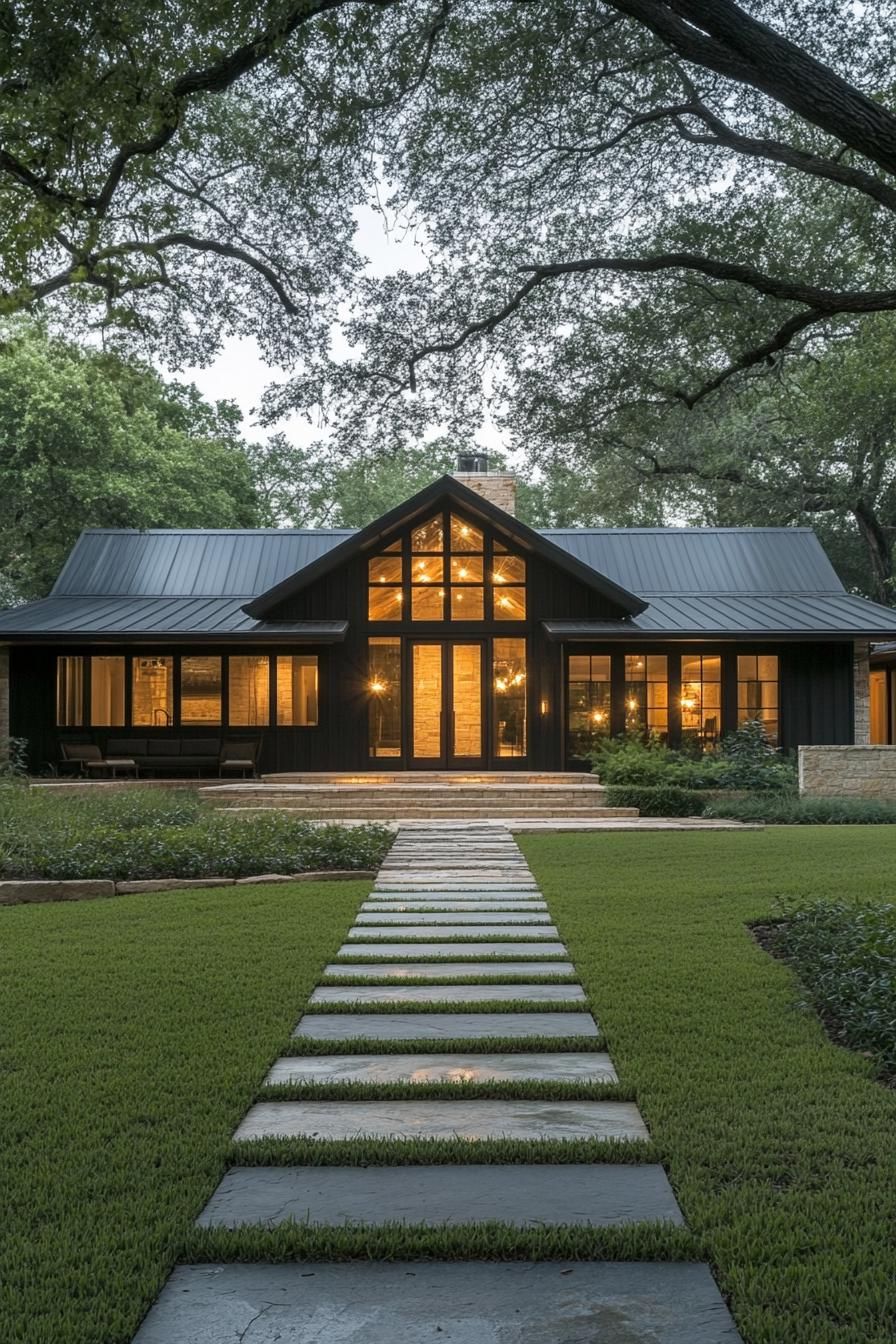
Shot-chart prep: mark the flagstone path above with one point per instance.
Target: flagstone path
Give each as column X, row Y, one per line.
column 447, row 905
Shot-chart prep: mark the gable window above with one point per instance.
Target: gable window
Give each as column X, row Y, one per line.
column 701, row 699
column 451, row 571
column 757, row 690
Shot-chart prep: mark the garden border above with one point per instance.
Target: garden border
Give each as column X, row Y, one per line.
column 25, row 891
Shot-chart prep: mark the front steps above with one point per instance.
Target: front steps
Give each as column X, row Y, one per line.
column 429, row 795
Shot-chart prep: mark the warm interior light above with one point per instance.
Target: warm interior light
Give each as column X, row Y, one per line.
column 500, row 684
column 598, row 716
column 399, row 596
column 544, row 706
column 464, row 531
column 518, row 679
column 504, row 602
column 631, row 704
column 377, row 686
column 463, row 573
column 498, row 578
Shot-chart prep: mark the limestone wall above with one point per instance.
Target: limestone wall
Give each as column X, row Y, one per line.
column 862, row 692
column 848, row 772
column 497, row 487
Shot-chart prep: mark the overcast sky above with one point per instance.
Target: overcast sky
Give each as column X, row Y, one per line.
column 238, row 374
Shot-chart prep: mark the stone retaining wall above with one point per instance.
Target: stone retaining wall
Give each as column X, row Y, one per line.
column 27, row 891
column 848, row 772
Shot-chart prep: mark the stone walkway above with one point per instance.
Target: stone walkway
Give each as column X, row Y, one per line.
column 472, row 886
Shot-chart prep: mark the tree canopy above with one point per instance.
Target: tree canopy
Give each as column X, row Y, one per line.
column 89, row 440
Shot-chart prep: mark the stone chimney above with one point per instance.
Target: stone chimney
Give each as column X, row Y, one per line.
column 498, row 487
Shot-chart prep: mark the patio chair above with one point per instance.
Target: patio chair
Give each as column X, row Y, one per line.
column 90, row 760
column 241, row 756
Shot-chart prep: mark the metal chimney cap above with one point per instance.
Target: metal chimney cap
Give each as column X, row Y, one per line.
column 472, row 462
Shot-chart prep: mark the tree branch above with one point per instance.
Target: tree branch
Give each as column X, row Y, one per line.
column 721, row 36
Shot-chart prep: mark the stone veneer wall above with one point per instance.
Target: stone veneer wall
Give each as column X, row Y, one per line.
column 848, row 772
column 861, row 693
column 497, row 487
column 4, row 700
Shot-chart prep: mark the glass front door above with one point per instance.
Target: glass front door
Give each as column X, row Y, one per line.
column 447, row 727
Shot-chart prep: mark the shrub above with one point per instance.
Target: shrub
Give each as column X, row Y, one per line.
column 846, row 957
column 138, row 834
column 750, row 760
column 657, row 800
column 13, row 760
column 781, row 809
column 746, row 760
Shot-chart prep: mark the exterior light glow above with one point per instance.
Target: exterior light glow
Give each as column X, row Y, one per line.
column 377, row 686
column 631, row 704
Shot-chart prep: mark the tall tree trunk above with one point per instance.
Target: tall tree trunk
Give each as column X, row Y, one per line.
column 879, row 548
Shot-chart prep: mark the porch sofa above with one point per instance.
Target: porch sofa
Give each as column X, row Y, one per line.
column 157, row 755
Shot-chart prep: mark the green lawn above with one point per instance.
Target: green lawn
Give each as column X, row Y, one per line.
column 781, row 1148
column 134, row 1033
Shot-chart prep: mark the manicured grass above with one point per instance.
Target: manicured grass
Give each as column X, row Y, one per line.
column 490, row 1045
column 516, row 1090
column 779, row 1144
column 135, row 1033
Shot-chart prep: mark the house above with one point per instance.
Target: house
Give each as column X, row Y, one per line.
column 445, row 635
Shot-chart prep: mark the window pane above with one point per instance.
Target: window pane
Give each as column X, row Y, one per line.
column 510, row 604
column 428, row 604
column 384, row 688
column 428, row 569
column 428, row 536
column 69, row 691
column 200, row 690
column 152, row 692
column 509, row 569
column 384, row 569
column 297, row 683
column 701, row 699
column 107, row 692
column 647, row 693
column 757, row 690
column 466, row 569
column 467, row 604
column 498, row 546
column 587, row 701
column 466, row 698
column 510, row 696
column 427, row 696
column 249, row 691
column 464, row 537
column 384, row 604
column 396, row 545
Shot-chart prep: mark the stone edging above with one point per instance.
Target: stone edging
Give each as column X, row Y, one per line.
column 19, row 892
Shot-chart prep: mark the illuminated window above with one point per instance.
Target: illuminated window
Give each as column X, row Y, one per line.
column 384, row 692
column 465, row 537
column 297, row 690
column 384, row 590
column 701, row 699
column 588, row 701
column 647, row 694
column 509, row 604
column 248, row 690
column 757, row 690
column 152, row 692
column 107, row 692
column 200, row 690
column 509, row 691
column 69, row 691
column 429, row 536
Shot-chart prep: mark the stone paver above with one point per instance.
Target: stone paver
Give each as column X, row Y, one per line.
column 473, row 1120
column 447, row 917
column 561, row 1067
column 450, row 950
column 408, row 903
column 489, row 930
column 597, row 1195
column 442, row 970
column 445, row 993
column 442, row 1026
column 459, row 1303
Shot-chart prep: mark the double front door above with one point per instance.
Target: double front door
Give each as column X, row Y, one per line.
column 447, row 704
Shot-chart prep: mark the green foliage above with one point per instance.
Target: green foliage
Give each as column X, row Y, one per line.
column 845, row 955
column 167, row 833
column 790, row 810
column 89, row 440
column 657, row 800
column 779, row 1146
column 746, row 760
column 13, row 760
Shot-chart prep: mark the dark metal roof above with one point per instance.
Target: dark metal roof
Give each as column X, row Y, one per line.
column 687, row 581
column 107, row 561
column 210, row 618
column 447, row 491
column 820, row 615
column 704, row 559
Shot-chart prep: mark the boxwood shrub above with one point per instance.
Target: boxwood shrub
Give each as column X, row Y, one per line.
column 151, row 833
column 791, row 810
column 657, row 800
